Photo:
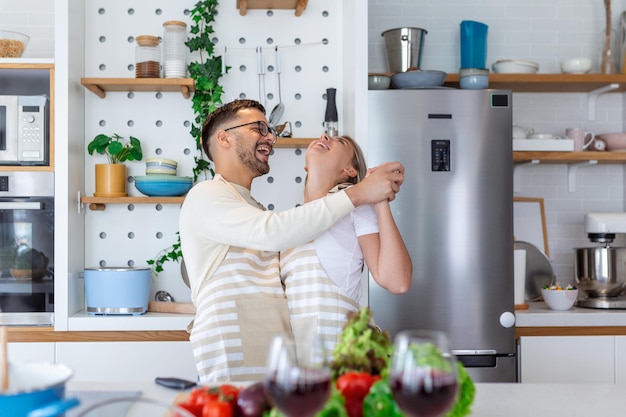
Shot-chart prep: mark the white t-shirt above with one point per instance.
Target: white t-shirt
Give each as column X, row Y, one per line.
column 339, row 251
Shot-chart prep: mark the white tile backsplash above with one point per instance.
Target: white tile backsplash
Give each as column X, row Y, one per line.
column 34, row 18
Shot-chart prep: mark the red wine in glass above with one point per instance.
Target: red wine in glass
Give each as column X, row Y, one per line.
column 423, row 373
column 303, row 397
column 297, row 376
column 431, row 395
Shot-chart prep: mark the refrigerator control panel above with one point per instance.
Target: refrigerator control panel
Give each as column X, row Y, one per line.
column 440, row 155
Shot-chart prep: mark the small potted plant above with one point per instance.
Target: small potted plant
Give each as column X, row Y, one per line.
column 111, row 177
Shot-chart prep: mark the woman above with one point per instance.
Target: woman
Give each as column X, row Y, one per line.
column 323, row 278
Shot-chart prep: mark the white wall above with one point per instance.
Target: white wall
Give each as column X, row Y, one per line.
column 545, row 31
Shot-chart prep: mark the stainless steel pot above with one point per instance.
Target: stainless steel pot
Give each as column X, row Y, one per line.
column 600, row 272
column 404, row 48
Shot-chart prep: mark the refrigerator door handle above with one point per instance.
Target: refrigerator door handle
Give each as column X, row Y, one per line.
column 463, row 352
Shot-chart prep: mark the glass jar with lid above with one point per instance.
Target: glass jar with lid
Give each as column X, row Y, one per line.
column 174, row 49
column 147, row 57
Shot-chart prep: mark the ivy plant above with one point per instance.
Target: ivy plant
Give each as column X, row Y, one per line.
column 206, row 73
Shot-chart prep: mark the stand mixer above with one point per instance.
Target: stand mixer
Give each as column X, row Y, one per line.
column 601, row 271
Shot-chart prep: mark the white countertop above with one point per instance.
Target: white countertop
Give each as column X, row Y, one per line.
column 492, row 400
column 83, row 321
column 539, row 315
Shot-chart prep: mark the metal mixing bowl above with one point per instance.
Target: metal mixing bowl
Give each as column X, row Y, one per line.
column 600, row 272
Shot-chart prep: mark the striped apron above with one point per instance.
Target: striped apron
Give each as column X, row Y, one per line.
column 238, row 312
column 315, row 301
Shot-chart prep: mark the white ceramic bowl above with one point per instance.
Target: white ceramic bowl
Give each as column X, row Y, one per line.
column 559, row 299
column 576, row 66
column 514, row 66
column 161, row 166
column 378, row 82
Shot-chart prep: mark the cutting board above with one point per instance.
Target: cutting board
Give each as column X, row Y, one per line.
column 171, row 307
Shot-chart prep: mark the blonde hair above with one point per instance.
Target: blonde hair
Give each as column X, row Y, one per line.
column 358, row 161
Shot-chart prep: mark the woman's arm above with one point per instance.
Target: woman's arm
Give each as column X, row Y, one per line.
column 386, row 254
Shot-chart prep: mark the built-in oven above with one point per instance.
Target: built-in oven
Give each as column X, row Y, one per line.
column 26, row 248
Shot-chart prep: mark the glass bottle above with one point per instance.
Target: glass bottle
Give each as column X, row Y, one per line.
column 147, row 57
column 331, row 120
column 174, row 49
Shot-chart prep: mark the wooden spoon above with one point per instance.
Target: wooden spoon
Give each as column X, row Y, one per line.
column 4, row 362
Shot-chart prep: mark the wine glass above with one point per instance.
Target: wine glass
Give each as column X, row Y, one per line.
column 297, row 378
column 423, row 373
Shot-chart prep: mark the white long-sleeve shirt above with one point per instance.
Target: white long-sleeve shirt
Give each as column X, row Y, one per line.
column 217, row 214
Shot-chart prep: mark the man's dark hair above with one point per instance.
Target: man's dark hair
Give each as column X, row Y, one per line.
column 223, row 115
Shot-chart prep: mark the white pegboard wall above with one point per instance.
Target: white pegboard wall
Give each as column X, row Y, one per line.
column 310, row 53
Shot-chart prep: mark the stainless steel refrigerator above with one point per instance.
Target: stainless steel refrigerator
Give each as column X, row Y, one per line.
column 455, row 213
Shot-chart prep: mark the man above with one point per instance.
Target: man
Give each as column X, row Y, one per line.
column 230, row 243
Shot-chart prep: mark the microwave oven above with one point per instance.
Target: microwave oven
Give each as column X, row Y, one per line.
column 23, row 130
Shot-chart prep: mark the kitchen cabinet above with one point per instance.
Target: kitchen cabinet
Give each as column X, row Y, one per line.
column 127, row 361
column 31, row 352
column 573, row 359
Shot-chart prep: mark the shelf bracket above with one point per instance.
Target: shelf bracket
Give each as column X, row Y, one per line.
column 592, row 99
column 516, row 173
column 572, row 170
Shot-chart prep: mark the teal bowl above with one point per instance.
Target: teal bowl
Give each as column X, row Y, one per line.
column 163, row 185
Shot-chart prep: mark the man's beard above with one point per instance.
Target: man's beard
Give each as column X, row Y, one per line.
column 248, row 157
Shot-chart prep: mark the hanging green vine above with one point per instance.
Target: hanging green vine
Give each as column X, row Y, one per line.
column 206, row 73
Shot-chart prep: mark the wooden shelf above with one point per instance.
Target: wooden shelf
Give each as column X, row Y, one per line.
column 297, row 5
column 549, row 83
column 569, row 157
column 293, row 142
column 99, row 203
column 99, row 86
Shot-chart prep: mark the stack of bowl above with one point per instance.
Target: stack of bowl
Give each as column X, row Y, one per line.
column 161, row 179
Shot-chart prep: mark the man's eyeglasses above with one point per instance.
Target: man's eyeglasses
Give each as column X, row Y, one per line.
column 263, row 128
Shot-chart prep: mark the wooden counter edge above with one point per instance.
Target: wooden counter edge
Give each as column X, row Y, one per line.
column 39, row 334
column 571, row 331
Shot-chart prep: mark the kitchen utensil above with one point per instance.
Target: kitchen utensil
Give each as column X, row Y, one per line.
column 378, row 81
column 538, row 270
column 600, row 271
column 420, row 78
column 117, row 290
column 163, row 296
column 473, row 44
column 606, row 66
column 12, row 44
column 174, row 383
column 36, row 389
column 227, row 93
column 473, row 78
column 404, row 48
column 559, row 299
column 277, row 112
column 331, row 119
column 576, row 66
column 261, row 71
column 171, row 307
column 514, row 66
column 284, row 130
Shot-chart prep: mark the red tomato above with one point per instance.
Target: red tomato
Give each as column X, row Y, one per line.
column 230, row 392
column 217, row 408
column 354, row 386
column 203, row 395
column 194, row 409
